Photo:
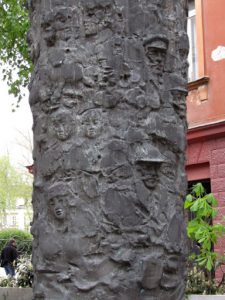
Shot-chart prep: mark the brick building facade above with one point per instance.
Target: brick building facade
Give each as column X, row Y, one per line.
column 206, row 100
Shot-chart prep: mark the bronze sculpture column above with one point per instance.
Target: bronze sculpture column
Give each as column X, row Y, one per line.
column 108, row 101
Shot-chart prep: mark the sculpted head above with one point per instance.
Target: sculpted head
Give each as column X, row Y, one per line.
column 92, row 122
column 179, row 92
column 59, row 197
column 183, row 46
column 152, row 272
column 90, row 24
column 62, row 125
column 149, row 174
column 57, row 207
column 156, row 50
column 96, row 16
column 179, row 103
column 71, row 97
column 148, row 162
column 183, row 50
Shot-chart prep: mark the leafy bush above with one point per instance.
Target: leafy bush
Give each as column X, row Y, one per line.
column 24, row 274
column 8, row 282
column 198, row 283
column 204, row 233
column 23, row 240
column 200, row 230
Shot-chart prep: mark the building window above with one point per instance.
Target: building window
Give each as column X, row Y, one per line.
column 14, row 220
column 191, row 29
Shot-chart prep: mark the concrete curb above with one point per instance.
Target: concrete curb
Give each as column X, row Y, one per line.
column 206, row 297
column 15, row 293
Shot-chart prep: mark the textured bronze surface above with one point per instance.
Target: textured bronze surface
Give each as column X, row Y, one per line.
column 108, row 101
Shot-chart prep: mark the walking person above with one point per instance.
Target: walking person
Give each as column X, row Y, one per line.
column 8, row 256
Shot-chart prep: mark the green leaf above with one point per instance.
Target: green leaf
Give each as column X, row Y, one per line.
column 14, row 57
column 212, row 200
column 195, row 206
column 198, row 189
column 188, row 201
column 201, row 261
column 209, row 265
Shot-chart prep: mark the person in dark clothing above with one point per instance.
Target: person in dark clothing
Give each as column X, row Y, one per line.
column 8, row 256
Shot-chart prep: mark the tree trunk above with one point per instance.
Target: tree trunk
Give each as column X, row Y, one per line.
column 108, row 101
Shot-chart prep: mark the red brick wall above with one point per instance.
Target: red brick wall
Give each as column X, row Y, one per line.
column 213, row 153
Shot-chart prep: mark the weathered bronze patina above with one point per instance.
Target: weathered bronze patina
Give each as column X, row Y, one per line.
column 108, row 101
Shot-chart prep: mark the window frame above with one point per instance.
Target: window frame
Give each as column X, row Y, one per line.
column 193, row 51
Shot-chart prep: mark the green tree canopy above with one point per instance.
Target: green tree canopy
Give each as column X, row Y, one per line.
column 15, row 63
column 13, row 185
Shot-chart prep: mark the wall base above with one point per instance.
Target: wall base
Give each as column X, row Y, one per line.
column 206, row 297
column 15, row 293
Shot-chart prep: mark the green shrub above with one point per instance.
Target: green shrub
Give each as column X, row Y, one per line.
column 199, row 284
column 8, row 282
column 204, row 233
column 23, row 240
column 24, row 274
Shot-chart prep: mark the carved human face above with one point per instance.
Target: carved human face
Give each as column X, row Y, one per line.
column 62, row 126
column 49, row 30
column 58, row 208
column 156, row 51
column 157, row 57
column 183, row 53
column 179, row 102
column 71, row 97
column 170, row 276
column 96, row 19
column 149, row 174
column 69, row 102
column 92, row 123
column 90, row 24
column 152, row 273
column 183, row 46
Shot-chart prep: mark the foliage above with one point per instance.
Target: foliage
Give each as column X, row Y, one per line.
column 200, row 230
column 8, row 282
column 24, row 274
column 14, row 57
column 198, row 283
column 13, row 185
column 23, row 239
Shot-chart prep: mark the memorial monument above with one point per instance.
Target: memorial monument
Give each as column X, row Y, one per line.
column 108, row 100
